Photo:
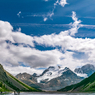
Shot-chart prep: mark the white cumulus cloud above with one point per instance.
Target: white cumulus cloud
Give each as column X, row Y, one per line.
column 20, row 69
column 7, row 33
column 11, row 55
column 63, row 3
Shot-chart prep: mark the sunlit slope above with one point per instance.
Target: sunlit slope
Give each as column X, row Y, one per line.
column 10, row 83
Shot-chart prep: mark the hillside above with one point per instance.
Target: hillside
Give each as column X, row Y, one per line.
column 87, row 85
column 10, row 83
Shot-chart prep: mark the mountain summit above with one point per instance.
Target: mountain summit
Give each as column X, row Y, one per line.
column 88, row 69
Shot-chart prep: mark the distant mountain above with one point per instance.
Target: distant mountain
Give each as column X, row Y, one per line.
column 87, row 85
column 86, row 69
column 30, row 80
column 53, row 78
column 26, row 76
column 10, row 83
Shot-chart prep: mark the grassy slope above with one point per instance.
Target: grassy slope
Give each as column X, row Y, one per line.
column 26, row 87
column 87, row 85
column 10, row 83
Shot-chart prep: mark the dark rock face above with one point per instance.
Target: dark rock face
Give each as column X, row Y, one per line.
column 50, row 68
column 34, row 75
column 86, row 69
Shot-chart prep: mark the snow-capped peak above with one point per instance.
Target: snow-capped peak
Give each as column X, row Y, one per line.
column 51, row 73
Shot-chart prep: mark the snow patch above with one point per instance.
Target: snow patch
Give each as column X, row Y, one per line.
column 81, row 75
column 51, row 74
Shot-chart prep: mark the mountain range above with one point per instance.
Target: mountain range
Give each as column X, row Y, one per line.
column 53, row 78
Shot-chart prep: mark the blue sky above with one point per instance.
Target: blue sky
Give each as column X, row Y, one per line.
column 36, row 34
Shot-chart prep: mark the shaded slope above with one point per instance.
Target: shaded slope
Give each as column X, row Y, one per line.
column 87, row 85
column 10, row 83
